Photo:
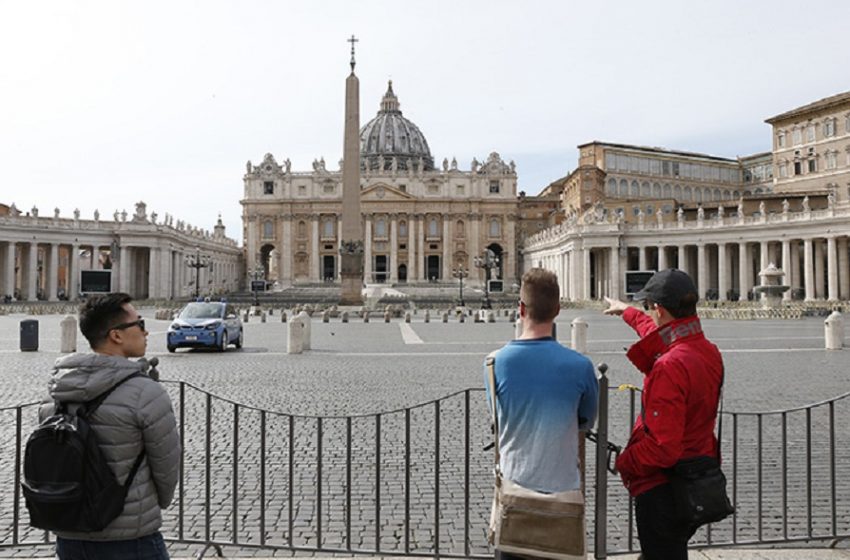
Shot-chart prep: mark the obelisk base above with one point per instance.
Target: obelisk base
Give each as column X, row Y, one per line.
column 351, row 274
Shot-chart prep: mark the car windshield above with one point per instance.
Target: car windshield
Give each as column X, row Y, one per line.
column 201, row 311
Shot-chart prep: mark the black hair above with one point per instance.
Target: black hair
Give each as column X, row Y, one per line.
column 687, row 306
column 99, row 314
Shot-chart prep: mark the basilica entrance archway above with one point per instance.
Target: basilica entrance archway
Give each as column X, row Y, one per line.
column 402, row 273
column 432, row 267
column 381, row 268
column 328, row 268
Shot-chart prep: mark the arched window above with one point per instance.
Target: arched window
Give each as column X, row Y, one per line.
column 677, row 192
column 656, row 190
column 268, row 230
column 635, row 189
column 727, row 195
column 328, row 227
column 459, row 229
column 645, row 190
column 402, row 229
column 688, row 194
column 302, row 229
column 380, row 227
column 611, row 187
column 717, row 195
column 624, row 188
column 433, row 228
column 495, row 228
column 668, row 191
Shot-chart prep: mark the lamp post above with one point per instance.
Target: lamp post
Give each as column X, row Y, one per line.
column 460, row 273
column 259, row 273
column 488, row 261
column 197, row 261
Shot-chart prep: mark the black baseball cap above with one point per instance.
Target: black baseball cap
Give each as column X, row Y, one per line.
column 668, row 288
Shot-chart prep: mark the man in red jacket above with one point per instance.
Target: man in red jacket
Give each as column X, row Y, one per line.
column 684, row 372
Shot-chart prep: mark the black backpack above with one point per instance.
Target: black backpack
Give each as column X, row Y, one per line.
column 68, row 485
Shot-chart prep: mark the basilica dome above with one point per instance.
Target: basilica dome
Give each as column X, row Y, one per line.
column 391, row 137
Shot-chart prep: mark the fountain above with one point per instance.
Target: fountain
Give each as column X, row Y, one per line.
column 771, row 289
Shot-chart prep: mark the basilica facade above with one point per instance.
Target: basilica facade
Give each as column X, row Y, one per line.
column 423, row 222
column 723, row 220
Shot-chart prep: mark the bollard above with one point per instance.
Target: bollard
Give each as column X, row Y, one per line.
column 326, row 316
column 305, row 317
column 365, row 313
column 295, row 336
column 271, row 311
column 445, row 317
column 29, row 335
column 345, row 316
column 491, row 317
column 518, row 328
column 246, row 318
column 68, row 340
column 579, row 335
column 512, row 316
column 387, row 316
column 263, row 317
column 407, row 317
column 461, row 318
column 427, row 316
column 833, row 330
column 283, row 316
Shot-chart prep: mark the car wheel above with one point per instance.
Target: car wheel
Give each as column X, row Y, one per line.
column 240, row 339
column 171, row 348
column 223, row 346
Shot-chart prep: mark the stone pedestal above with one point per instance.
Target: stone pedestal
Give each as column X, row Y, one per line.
column 579, row 335
column 68, row 340
column 833, row 329
column 305, row 319
column 295, row 338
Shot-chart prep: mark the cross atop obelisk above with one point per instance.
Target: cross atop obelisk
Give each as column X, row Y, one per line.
column 351, row 241
column 352, row 41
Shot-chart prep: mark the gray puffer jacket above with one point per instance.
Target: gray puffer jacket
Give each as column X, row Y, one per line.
column 137, row 415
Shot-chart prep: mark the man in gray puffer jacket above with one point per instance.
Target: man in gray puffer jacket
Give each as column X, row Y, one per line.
column 136, row 417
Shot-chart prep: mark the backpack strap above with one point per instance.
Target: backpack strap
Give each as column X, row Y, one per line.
column 134, row 469
column 88, row 407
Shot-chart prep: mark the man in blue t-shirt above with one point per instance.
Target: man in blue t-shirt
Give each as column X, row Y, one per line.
column 545, row 395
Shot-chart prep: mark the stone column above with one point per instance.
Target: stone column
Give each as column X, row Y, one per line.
column 722, row 272
column 796, row 274
column 253, row 249
column 510, row 269
column 475, row 231
column 420, row 232
column 585, row 274
column 367, row 251
column 843, row 270
column 662, row 257
column 743, row 271
column 51, row 272
column 683, row 258
column 614, row 271
column 786, row 268
column 393, row 264
column 74, row 272
column 702, row 270
column 808, row 265
column 832, row 268
column 124, row 270
column 285, row 266
column 447, row 249
column 411, row 248
column 764, row 256
column 315, row 260
column 819, row 268
column 32, row 276
column 9, row 273
column 641, row 258
column 154, row 271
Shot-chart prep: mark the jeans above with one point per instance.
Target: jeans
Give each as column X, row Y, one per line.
column 150, row 547
column 662, row 535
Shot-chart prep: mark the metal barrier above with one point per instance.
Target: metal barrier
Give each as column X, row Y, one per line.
column 416, row 481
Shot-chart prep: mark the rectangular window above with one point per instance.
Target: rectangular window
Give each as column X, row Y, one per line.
column 610, row 161
column 810, row 133
column 655, row 167
column 780, row 140
column 302, row 190
column 831, row 160
column 797, row 136
column 783, row 170
column 402, row 188
column 829, row 127
column 494, row 187
column 798, row 168
column 675, row 168
column 813, row 165
column 268, row 187
column 330, row 189
column 665, row 168
column 460, row 190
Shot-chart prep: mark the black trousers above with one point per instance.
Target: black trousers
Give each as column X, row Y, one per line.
column 662, row 536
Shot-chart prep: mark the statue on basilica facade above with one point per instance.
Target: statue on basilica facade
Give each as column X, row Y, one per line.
column 830, row 199
column 474, row 165
column 700, row 213
column 96, row 215
column 786, row 206
column 56, row 213
column 741, row 207
column 248, row 167
column 680, row 215
column 762, row 209
column 806, row 207
column 76, row 213
column 287, row 165
column 454, row 164
column 721, row 212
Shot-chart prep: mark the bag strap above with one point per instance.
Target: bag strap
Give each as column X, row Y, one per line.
column 134, row 469
column 491, row 377
column 720, row 411
column 88, row 407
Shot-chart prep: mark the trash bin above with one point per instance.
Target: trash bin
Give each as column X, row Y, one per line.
column 29, row 335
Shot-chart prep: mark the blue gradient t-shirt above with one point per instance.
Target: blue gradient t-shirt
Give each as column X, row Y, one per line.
column 543, row 390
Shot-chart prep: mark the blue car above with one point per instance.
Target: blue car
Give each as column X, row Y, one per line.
column 207, row 324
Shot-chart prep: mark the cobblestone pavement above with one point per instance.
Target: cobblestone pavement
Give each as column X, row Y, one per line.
column 364, row 369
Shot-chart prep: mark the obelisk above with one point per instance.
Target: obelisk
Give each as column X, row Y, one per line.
column 351, row 245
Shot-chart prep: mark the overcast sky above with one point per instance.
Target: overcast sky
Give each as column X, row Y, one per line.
column 105, row 103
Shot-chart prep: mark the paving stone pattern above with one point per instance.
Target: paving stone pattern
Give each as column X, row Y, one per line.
column 292, row 477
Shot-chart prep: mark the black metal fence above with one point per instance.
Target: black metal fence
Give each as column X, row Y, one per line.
column 417, row 481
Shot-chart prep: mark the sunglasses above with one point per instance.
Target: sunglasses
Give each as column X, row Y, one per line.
column 647, row 305
column 140, row 323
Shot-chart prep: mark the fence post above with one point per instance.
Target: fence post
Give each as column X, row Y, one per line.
column 600, row 528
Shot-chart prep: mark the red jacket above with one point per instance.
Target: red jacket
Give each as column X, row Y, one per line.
column 679, row 401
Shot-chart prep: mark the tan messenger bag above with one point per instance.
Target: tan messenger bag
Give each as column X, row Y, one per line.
column 531, row 523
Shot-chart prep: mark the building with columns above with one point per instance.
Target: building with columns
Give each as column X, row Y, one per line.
column 420, row 222
column 41, row 257
column 722, row 220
